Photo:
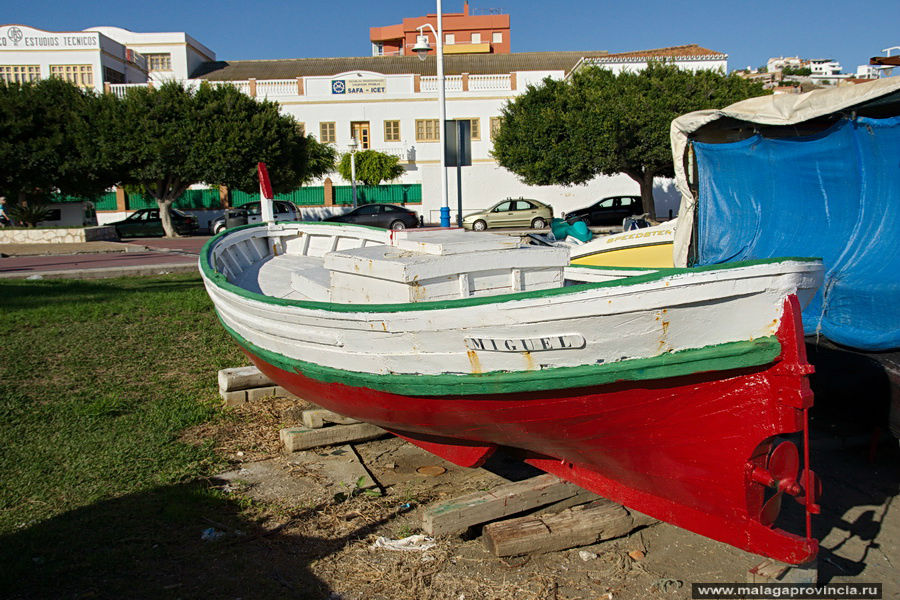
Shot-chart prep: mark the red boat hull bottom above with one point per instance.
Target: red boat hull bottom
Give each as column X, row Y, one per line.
column 691, row 450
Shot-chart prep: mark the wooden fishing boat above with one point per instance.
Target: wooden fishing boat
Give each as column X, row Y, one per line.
column 665, row 390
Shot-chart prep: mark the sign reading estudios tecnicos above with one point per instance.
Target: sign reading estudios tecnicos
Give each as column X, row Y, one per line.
column 357, row 86
column 17, row 36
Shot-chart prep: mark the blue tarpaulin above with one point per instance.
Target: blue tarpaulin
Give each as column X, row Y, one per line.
column 835, row 195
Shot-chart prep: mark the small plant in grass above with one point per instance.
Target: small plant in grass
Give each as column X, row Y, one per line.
column 405, row 531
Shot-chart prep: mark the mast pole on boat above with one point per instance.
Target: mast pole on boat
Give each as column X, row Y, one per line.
column 265, row 194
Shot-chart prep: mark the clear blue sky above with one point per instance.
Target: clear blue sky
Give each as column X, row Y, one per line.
column 748, row 31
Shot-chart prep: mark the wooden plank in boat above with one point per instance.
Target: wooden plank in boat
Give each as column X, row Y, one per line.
column 577, row 526
column 298, row 438
column 459, row 514
column 386, row 274
column 454, row 241
column 394, row 264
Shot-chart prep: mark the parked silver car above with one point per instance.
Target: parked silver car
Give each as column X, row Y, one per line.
column 252, row 213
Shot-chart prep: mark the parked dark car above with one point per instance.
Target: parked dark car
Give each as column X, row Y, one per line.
column 252, row 213
column 146, row 223
column 388, row 216
column 608, row 211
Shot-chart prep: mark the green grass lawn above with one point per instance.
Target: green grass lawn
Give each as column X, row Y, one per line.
column 98, row 379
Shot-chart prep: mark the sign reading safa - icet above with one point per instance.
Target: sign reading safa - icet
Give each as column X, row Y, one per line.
column 556, row 342
column 357, row 86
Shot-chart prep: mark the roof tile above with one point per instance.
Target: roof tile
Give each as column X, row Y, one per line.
column 474, row 64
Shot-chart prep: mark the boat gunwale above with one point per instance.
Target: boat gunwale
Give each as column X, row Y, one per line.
column 655, row 274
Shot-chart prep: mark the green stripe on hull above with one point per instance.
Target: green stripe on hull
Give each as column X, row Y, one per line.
column 721, row 357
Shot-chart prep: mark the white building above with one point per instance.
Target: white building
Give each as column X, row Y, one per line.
column 390, row 104
column 689, row 58
column 778, row 63
column 98, row 55
column 824, row 67
column 174, row 55
column 386, row 103
column 86, row 58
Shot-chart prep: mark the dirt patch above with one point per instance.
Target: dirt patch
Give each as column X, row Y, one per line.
column 324, row 528
column 249, row 432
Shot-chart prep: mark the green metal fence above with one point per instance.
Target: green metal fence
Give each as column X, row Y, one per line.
column 105, row 201
column 190, row 199
column 304, row 196
column 397, row 193
column 208, row 199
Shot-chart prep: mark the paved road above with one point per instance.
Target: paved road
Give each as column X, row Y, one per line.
column 159, row 256
column 136, row 256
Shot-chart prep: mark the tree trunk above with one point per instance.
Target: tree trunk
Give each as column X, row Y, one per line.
column 644, row 179
column 647, row 194
column 166, row 218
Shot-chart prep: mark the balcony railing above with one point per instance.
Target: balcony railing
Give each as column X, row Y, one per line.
column 119, row 89
column 489, row 83
column 452, row 83
column 269, row 88
column 279, row 88
column 399, row 149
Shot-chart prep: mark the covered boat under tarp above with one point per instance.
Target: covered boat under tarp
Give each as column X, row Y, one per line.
column 815, row 174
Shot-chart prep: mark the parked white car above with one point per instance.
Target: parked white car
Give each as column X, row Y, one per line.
column 252, row 213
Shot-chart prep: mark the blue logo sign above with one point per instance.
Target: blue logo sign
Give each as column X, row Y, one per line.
column 338, row 86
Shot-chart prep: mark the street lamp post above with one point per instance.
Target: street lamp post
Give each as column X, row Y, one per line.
column 422, row 48
column 353, row 146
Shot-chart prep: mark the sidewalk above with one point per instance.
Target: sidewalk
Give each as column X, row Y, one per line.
column 94, row 260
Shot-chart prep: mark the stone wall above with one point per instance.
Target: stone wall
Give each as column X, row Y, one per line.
column 60, row 235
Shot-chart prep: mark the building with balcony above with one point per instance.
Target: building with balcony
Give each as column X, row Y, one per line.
column 170, row 55
column 688, row 58
column 824, row 67
column 389, row 104
column 98, row 56
column 89, row 59
column 464, row 33
column 386, row 103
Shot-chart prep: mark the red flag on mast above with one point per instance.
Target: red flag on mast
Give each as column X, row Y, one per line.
column 265, row 186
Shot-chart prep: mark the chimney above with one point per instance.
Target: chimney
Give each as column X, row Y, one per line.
column 466, row 8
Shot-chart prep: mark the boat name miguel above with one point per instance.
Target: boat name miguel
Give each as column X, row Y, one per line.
column 560, row 342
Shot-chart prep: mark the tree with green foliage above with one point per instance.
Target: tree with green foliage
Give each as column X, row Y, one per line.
column 372, row 167
column 172, row 137
column 54, row 137
column 601, row 123
column 798, row 71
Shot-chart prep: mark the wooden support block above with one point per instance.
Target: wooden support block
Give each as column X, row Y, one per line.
column 461, row 513
column 257, row 394
column 578, row 526
column 234, row 398
column 582, row 497
column 316, row 419
column 295, row 438
column 283, row 393
column 773, row 571
column 242, row 378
